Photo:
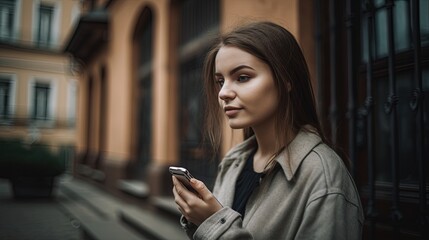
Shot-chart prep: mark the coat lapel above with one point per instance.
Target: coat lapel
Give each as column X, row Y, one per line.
column 230, row 169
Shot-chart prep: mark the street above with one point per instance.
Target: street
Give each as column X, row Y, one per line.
column 34, row 219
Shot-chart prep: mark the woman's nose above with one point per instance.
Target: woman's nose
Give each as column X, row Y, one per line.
column 226, row 93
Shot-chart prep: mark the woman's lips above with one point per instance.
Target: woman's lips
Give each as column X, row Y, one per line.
column 231, row 111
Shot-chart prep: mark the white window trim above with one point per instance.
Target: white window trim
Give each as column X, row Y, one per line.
column 12, row 100
column 72, row 91
column 17, row 21
column 56, row 21
column 52, row 104
column 75, row 14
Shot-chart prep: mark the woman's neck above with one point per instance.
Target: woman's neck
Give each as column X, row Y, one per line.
column 267, row 147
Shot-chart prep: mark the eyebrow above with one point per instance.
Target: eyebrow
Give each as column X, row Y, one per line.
column 236, row 69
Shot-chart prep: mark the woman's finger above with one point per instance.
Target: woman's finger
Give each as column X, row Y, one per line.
column 195, row 208
column 202, row 190
column 179, row 201
column 177, row 198
column 182, row 191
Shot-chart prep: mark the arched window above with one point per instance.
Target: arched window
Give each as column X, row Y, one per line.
column 143, row 44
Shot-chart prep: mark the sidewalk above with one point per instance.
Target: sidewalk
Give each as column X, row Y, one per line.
column 33, row 219
column 102, row 216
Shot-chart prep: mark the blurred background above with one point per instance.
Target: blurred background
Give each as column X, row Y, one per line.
column 101, row 96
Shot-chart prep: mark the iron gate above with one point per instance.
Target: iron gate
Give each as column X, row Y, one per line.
column 375, row 107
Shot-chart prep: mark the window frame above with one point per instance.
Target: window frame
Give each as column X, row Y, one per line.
column 15, row 25
column 44, row 38
column 404, row 65
column 51, row 102
column 55, row 23
column 11, row 78
column 194, row 40
column 41, row 92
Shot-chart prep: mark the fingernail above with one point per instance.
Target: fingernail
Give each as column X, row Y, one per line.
column 193, row 180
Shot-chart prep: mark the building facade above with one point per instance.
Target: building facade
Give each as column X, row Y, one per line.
column 38, row 82
column 140, row 93
column 138, row 112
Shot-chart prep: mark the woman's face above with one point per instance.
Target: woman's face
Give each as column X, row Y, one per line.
column 247, row 91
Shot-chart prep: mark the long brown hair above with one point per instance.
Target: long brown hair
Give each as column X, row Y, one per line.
column 278, row 48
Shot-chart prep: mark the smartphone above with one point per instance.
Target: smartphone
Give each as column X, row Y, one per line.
column 183, row 175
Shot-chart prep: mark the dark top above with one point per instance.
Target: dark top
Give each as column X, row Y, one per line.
column 247, row 181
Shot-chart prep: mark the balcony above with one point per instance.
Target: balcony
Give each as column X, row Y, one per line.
column 89, row 35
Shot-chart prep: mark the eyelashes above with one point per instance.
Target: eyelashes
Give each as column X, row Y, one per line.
column 241, row 79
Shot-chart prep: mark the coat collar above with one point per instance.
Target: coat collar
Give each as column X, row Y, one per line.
column 289, row 159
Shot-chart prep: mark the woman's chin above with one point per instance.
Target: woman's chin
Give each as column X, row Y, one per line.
column 236, row 125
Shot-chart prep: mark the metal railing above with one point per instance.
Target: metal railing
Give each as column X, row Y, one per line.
column 374, row 81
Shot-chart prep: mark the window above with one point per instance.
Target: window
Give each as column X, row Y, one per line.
column 7, row 98
column 198, row 18
column 199, row 22
column 143, row 40
column 45, row 25
column 401, row 24
column 7, row 15
column 41, row 100
column 404, row 83
column 5, row 87
column 385, row 46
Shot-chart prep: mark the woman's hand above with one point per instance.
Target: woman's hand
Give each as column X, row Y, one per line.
column 196, row 209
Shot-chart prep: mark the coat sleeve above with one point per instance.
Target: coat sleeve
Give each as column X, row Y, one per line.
column 188, row 227
column 331, row 216
column 225, row 224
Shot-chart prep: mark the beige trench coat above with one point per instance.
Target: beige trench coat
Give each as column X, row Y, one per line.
column 311, row 195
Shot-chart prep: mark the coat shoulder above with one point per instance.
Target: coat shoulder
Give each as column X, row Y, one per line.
column 329, row 173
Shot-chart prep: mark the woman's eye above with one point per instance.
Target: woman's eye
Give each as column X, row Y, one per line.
column 220, row 82
column 243, row 78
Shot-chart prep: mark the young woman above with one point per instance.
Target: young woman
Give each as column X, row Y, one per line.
column 283, row 181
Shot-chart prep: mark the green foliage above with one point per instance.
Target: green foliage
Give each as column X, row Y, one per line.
column 20, row 159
